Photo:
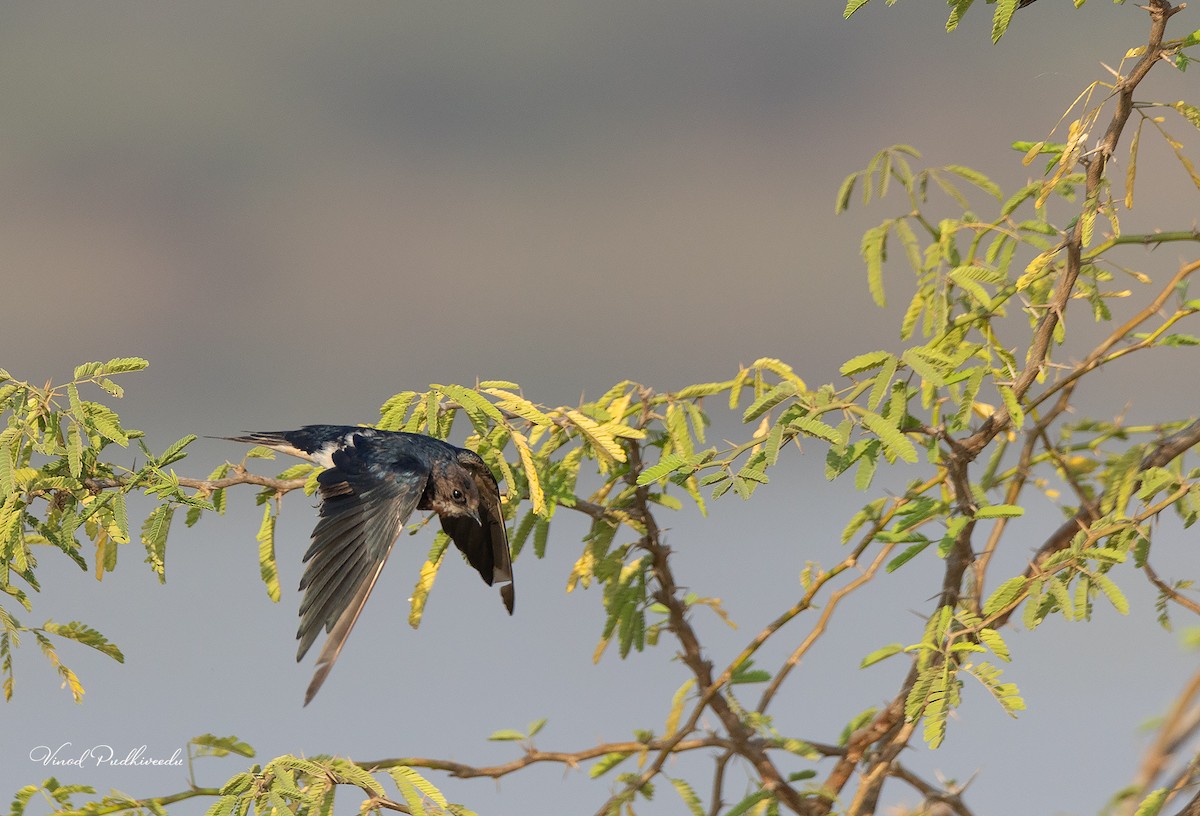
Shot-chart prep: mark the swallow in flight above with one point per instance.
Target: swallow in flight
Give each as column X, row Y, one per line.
column 372, row 482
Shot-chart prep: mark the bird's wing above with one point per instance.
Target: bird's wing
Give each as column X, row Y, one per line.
column 364, row 504
column 485, row 544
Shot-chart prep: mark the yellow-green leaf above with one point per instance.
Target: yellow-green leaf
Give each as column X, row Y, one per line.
column 978, row 179
column 1152, row 805
column 688, row 796
column 1188, row 112
column 121, row 365
column 479, row 409
column 601, row 440
column 780, row 369
column 676, row 711
column 769, row 400
column 267, row 567
column 506, row 735
column 992, row 639
column 874, row 252
column 881, row 654
column 1131, row 170
column 922, row 365
column 817, row 428
column 894, row 442
column 404, row 774
column 120, row 514
column 82, row 633
column 847, row 189
column 999, row 511
column 516, row 404
column 1112, row 592
column 429, row 571
column 1015, row 411
column 865, row 362
column 1004, row 595
column 700, row 390
column 537, row 496
column 107, row 424
column 154, row 538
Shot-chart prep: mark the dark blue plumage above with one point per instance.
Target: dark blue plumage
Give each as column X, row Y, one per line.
column 372, row 482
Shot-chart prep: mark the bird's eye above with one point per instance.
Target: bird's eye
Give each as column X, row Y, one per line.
column 458, row 496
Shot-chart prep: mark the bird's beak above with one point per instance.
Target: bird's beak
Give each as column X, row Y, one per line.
column 475, row 515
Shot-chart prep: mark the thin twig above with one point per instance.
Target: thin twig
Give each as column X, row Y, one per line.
column 155, row 802
column 532, row 756
column 1170, row 591
column 952, row 798
column 1097, row 357
column 819, row 628
column 722, row 763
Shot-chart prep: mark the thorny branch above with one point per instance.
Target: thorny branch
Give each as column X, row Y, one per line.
column 1065, row 389
column 888, row 728
column 1179, row 726
column 533, row 756
column 1166, row 450
column 950, row 796
column 154, row 803
column 819, row 628
column 1160, row 12
column 743, row 738
column 206, row 486
column 1169, row 591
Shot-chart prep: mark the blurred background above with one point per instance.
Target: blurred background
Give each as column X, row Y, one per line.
column 294, row 210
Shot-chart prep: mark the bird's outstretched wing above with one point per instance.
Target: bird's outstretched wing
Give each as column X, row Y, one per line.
column 364, row 504
column 485, row 544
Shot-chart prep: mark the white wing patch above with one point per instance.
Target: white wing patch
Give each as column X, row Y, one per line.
column 292, row 450
column 323, row 455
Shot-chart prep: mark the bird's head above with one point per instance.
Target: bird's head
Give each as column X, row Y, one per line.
column 454, row 493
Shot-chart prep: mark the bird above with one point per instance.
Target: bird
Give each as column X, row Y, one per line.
column 372, row 482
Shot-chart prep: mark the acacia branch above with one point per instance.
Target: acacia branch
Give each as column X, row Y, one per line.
column 206, row 486
column 742, row 738
column 866, row 798
column 153, row 804
column 961, row 555
column 1012, row 496
column 1098, row 356
column 722, row 763
column 950, row 797
column 882, row 724
column 803, row 604
column 1170, row 591
column 890, row 720
column 807, row 601
column 1065, row 390
column 1179, row 725
column 1166, row 450
column 819, row 628
column 533, row 756
column 1151, row 239
column 1192, row 808
column 1160, row 12
column 373, row 802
